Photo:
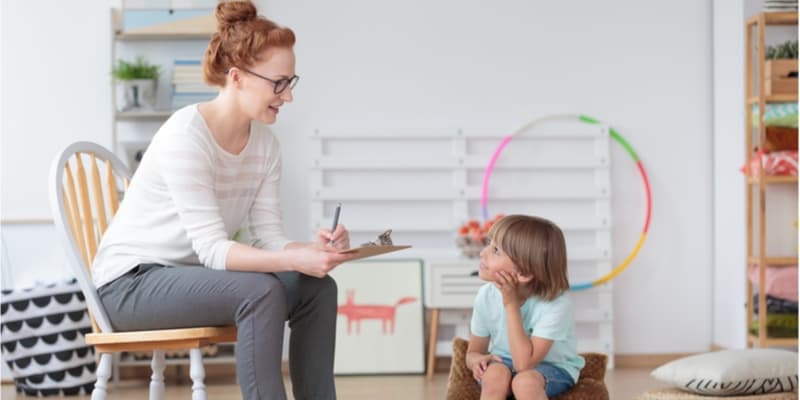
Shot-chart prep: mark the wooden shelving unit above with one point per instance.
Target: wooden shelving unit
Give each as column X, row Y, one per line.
column 756, row 186
column 198, row 29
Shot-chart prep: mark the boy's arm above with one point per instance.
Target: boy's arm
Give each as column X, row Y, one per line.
column 526, row 352
column 478, row 346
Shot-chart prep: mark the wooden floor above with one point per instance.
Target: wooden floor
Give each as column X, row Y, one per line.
column 623, row 384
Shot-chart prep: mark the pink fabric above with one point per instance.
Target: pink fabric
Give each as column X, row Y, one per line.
column 776, row 163
column 781, row 281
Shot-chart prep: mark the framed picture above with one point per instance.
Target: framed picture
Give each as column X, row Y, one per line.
column 380, row 322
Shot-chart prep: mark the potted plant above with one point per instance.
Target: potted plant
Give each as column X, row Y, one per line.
column 136, row 84
column 780, row 70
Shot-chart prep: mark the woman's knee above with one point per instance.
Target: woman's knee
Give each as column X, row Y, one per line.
column 527, row 382
column 260, row 287
column 328, row 288
column 319, row 289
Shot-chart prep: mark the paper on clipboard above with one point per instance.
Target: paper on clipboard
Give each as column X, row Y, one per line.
column 369, row 251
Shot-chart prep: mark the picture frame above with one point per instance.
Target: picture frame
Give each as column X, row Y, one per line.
column 380, row 318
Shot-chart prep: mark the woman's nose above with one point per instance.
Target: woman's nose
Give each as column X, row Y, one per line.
column 287, row 95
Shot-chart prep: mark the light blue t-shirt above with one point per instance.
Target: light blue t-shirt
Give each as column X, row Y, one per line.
column 552, row 320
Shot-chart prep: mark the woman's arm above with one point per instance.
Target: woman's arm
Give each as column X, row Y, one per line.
column 309, row 260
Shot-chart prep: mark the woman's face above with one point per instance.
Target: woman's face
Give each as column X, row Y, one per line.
column 257, row 94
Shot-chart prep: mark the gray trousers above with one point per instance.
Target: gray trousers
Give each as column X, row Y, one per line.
column 152, row 296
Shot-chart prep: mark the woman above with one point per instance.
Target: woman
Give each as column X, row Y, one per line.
column 210, row 169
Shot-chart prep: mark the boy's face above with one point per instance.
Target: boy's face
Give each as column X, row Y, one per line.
column 494, row 259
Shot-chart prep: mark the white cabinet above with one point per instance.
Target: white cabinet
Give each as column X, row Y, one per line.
column 450, row 284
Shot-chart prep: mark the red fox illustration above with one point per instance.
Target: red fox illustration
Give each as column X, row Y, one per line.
column 358, row 312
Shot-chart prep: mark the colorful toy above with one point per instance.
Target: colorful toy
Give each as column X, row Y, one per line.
column 621, row 141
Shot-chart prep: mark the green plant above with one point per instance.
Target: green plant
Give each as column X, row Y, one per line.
column 781, row 51
column 138, row 69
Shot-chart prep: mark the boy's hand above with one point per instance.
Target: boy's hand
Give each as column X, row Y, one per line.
column 509, row 287
column 483, row 363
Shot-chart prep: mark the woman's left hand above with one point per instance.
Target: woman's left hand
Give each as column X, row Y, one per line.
column 509, row 286
column 338, row 239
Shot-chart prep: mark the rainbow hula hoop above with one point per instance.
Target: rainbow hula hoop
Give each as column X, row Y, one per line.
column 621, row 141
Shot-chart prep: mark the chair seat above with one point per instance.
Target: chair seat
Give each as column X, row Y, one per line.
column 162, row 338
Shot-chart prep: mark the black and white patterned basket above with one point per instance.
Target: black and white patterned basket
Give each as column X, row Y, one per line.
column 42, row 332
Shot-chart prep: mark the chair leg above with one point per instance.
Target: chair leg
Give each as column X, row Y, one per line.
column 198, row 374
column 103, row 374
column 157, row 379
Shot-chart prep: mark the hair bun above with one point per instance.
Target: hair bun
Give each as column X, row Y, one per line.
column 229, row 13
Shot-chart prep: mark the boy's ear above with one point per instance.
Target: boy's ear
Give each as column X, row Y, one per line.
column 524, row 278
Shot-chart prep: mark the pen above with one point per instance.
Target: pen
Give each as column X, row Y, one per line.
column 335, row 220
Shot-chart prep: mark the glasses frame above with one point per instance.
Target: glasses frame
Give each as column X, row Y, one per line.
column 279, row 85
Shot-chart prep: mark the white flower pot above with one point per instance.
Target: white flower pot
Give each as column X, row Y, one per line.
column 136, row 95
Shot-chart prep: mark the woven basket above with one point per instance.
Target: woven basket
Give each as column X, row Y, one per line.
column 590, row 386
column 677, row 394
column 780, row 138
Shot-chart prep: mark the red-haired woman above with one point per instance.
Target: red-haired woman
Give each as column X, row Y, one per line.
column 168, row 259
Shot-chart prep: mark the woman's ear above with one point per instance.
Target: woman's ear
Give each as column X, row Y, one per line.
column 524, row 278
column 235, row 77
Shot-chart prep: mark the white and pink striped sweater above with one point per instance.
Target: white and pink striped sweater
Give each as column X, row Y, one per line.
column 188, row 198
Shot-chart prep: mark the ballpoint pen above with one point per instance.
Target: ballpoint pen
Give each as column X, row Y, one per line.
column 335, row 221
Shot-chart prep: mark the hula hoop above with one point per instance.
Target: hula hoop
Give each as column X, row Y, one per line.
column 628, row 148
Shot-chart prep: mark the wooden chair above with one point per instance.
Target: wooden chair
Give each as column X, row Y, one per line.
column 82, row 204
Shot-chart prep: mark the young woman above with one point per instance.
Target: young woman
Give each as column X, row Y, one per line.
column 168, row 259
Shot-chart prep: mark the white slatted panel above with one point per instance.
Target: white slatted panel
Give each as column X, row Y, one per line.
column 425, row 185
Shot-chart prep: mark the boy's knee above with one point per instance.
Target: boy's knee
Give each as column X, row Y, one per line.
column 496, row 378
column 527, row 381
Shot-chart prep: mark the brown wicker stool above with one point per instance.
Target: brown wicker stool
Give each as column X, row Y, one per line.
column 590, row 386
column 677, row 394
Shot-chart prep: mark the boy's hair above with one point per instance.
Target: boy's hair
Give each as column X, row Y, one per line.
column 537, row 248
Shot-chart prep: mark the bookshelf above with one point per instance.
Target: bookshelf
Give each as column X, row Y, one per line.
column 758, row 185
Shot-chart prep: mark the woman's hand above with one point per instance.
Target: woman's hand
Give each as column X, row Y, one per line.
column 340, row 238
column 508, row 283
column 482, row 362
column 316, row 260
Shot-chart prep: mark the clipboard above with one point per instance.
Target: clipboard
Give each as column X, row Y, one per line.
column 369, row 251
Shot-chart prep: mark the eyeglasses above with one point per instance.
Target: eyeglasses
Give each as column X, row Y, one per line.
column 280, row 84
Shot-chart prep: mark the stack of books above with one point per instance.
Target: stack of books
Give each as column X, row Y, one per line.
column 187, row 84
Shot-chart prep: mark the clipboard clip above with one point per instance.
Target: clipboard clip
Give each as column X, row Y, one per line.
column 384, row 239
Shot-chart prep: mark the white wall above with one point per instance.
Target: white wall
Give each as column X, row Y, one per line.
column 424, row 66
column 729, row 201
column 643, row 66
column 56, row 75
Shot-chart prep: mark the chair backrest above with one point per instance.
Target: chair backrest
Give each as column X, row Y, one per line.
column 82, row 204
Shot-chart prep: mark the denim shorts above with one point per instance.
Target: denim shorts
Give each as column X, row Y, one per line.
column 556, row 380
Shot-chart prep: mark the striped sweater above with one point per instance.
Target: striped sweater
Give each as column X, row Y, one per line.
column 189, row 197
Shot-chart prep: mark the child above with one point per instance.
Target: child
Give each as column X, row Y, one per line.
column 523, row 316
